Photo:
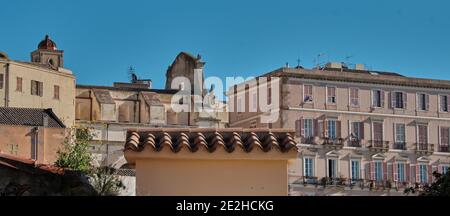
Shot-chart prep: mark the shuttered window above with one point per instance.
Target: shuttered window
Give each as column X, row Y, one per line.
column 1, row 81
column 56, row 92
column 37, row 88
column 443, row 103
column 19, row 84
column 307, row 93
column 354, row 97
column 423, row 101
column 331, row 93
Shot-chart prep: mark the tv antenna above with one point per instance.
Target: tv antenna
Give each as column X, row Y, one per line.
column 132, row 74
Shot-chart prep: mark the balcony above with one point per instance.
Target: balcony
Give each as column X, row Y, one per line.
column 444, row 148
column 308, row 140
column 400, row 145
column 355, row 142
column 424, row 148
column 379, row 145
column 333, row 142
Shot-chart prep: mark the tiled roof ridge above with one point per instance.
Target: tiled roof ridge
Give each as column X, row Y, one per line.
column 192, row 140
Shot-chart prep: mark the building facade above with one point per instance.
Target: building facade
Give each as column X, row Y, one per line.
column 35, row 134
column 41, row 83
column 358, row 127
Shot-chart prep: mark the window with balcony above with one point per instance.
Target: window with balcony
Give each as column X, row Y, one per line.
column 332, row 168
column 355, row 169
column 444, row 139
column 377, row 134
column 308, row 93
column 422, row 176
column 354, row 97
column 378, row 171
column 308, row 167
column 356, row 133
column 423, row 101
column 377, row 98
column 398, row 100
column 331, row 95
column 399, row 172
column 308, row 125
column 443, row 103
column 331, row 127
column 422, row 137
column 400, row 142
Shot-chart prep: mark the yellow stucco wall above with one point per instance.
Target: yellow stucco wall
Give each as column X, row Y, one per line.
column 211, row 177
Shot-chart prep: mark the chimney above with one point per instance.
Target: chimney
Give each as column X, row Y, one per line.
column 359, row 67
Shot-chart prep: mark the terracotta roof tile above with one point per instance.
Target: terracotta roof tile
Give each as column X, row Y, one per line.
column 27, row 165
column 210, row 139
column 29, row 117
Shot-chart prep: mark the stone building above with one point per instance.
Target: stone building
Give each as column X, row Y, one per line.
column 357, row 127
column 41, row 83
column 111, row 110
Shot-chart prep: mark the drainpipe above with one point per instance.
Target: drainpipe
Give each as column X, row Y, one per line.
column 7, row 85
column 107, row 144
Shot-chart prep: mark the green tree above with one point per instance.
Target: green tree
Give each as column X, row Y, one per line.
column 440, row 187
column 105, row 182
column 75, row 154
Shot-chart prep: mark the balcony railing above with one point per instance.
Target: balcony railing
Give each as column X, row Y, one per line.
column 308, row 140
column 424, row 147
column 400, row 145
column 352, row 183
column 333, row 141
column 444, row 148
column 379, row 144
column 355, row 142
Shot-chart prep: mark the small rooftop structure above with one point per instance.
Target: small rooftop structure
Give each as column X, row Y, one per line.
column 207, row 161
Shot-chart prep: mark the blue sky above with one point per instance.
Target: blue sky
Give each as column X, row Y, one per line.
column 101, row 39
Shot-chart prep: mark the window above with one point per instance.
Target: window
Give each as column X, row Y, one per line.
column 398, row 100
column 399, row 136
column 354, row 97
column 378, row 165
column 356, row 130
column 378, row 133
column 56, row 92
column 377, row 98
column 445, row 169
column 331, row 129
column 423, row 173
column 1, row 81
column 332, row 168
column 444, row 139
column 423, row 135
column 331, row 95
column 13, row 149
column 36, row 88
column 308, row 93
column 443, row 103
column 239, row 105
column 399, row 172
column 355, row 169
column 422, row 101
column 308, row 167
column 308, row 127
column 19, row 84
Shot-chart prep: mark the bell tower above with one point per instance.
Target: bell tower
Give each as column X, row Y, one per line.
column 48, row 54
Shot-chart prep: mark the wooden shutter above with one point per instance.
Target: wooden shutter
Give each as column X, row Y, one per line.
column 41, row 88
column 392, row 99
column 382, row 98
column 320, row 131
column 338, row 129
column 325, row 128
column 405, row 100
column 430, row 174
column 395, row 171
column 407, row 171
column 390, row 172
column 372, row 170
column 385, row 171
column 448, row 104
column 361, row 130
column 427, row 101
column 316, row 127
column 417, row 173
column 298, row 127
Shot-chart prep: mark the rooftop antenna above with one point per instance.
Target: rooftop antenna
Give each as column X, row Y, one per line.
column 318, row 59
column 132, row 74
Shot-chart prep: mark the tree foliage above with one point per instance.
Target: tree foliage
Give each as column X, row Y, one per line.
column 440, row 187
column 75, row 154
column 105, row 182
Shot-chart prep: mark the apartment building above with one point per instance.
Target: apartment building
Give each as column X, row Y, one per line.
column 355, row 126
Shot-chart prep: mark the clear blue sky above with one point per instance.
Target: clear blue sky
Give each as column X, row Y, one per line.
column 102, row 38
